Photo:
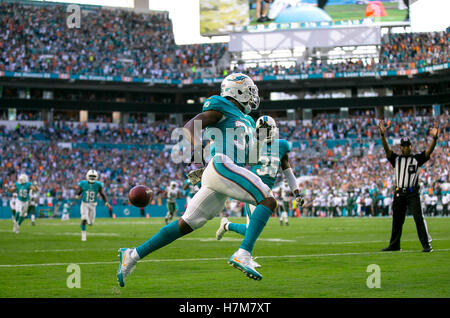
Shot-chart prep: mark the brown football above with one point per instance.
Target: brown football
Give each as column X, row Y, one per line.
column 140, row 196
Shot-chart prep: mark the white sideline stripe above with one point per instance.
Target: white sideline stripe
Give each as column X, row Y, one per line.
column 209, row 240
column 221, row 259
column 226, row 239
column 66, row 234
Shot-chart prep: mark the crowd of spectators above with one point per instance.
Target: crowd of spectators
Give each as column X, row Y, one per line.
column 109, row 42
column 126, row 43
column 58, row 155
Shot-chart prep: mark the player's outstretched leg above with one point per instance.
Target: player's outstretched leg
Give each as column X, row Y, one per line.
column 130, row 256
column 241, row 259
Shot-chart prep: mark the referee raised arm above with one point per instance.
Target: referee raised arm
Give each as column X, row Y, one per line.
column 406, row 195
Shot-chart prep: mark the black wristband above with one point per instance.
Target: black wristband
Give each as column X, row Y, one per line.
column 435, row 137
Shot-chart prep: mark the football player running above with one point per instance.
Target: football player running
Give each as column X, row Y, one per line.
column 88, row 190
column 224, row 176
column 22, row 187
column 33, row 204
column 172, row 194
column 273, row 155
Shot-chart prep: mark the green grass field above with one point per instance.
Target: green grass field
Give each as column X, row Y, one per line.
column 311, row 258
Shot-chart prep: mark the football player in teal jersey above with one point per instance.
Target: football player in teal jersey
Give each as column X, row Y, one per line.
column 88, row 190
column 22, row 187
column 225, row 118
column 273, row 155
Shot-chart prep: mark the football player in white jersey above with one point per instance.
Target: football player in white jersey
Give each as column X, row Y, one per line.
column 172, row 193
column 285, row 195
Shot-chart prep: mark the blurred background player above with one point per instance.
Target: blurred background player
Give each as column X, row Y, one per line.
column 223, row 177
column 172, row 193
column 12, row 206
column 273, row 153
column 88, row 190
column 22, row 187
column 65, row 212
column 285, row 195
column 34, row 195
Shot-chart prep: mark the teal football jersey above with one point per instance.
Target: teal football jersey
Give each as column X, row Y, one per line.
column 234, row 134
column 23, row 191
column 90, row 190
column 269, row 161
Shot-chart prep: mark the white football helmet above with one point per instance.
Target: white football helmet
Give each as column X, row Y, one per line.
column 241, row 87
column 23, row 178
column 268, row 123
column 92, row 176
column 173, row 184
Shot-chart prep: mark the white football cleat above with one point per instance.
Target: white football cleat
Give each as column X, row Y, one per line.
column 253, row 263
column 242, row 261
column 16, row 228
column 126, row 266
column 221, row 230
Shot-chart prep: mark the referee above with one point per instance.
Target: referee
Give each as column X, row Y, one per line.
column 406, row 195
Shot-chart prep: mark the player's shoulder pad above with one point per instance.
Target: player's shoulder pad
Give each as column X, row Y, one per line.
column 100, row 184
column 251, row 120
column 284, row 145
column 218, row 103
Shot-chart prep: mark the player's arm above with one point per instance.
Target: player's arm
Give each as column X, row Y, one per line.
column 206, row 118
column 384, row 142
column 290, row 178
column 11, row 189
column 78, row 193
column 434, row 133
column 103, row 195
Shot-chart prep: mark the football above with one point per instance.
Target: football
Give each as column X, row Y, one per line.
column 140, row 196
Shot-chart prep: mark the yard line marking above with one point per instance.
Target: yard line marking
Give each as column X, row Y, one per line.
column 229, row 239
column 222, row 259
column 65, row 233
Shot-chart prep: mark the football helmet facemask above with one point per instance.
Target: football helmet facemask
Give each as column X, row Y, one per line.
column 23, row 178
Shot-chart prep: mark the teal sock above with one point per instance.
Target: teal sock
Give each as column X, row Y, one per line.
column 20, row 220
column 17, row 216
column 258, row 220
column 83, row 227
column 238, row 228
column 166, row 235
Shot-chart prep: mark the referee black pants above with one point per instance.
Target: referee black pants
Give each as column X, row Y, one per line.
column 402, row 202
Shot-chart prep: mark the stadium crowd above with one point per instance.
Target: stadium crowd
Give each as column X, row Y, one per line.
column 340, row 161
column 125, row 43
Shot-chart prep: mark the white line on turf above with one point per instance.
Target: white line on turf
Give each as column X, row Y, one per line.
column 222, row 259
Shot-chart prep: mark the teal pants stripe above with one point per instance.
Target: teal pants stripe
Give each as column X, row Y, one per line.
column 239, row 180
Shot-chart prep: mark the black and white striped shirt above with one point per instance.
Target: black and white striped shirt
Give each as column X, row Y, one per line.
column 407, row 168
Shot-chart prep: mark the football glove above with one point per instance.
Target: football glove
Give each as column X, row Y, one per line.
column 195, row 176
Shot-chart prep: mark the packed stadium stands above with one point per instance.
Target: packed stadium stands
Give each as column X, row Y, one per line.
column 39, row 42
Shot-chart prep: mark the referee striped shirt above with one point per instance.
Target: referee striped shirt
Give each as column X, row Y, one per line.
column 407, row 168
